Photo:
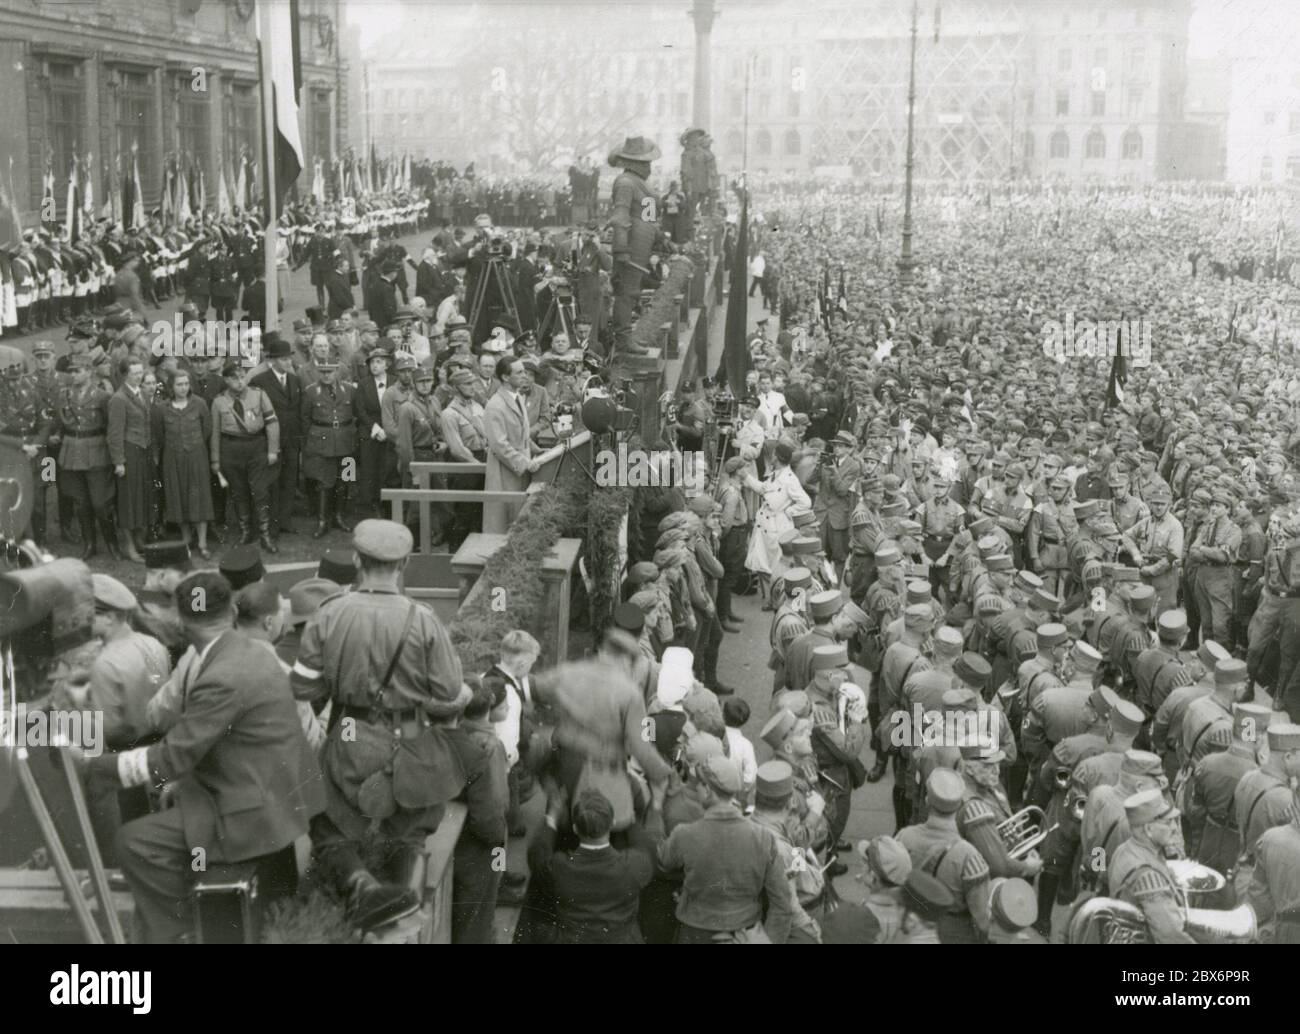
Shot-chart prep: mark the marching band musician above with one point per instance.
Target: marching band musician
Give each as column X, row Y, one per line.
column 1138, row 874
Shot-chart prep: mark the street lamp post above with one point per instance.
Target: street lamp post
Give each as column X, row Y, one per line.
column 905, row 261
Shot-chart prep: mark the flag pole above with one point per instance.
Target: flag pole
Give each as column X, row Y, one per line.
column 272, row 319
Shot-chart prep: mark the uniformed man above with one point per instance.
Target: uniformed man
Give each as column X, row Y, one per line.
column 1160, row 538
column 1105, row 819
column 938, row 849
column 1159, row 669
column 1214, row 550
column 1275, row 884
column 25, row 418
column 245, row 449
column 85, row 470
column 463, row 431
column 1209, row 712
column 1013, row 910
column 790, row 622
column 1051, row 525
column 1167, row 728
column 879, row 918
column 836, row 496
column 1210, row 822
column 394, row 681
column 328, row 456
column 773, row 793
column 986, row 807
column 1262, row 797
column 1138, row 874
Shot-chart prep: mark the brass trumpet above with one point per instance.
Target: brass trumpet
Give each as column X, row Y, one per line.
column 1024, row 831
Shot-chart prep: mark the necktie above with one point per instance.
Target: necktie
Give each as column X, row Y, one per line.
column 239, row 410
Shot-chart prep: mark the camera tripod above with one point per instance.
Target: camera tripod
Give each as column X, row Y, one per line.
column 563, row 308
column 494, row 271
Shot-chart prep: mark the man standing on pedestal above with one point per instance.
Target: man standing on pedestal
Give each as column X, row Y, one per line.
column 635, row 219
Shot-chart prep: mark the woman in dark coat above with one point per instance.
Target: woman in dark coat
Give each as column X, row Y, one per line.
column 182, row 428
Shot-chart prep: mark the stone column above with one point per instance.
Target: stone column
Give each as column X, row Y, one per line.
column 703, row 12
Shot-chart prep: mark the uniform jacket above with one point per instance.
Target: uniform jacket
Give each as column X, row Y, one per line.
column 328, row 420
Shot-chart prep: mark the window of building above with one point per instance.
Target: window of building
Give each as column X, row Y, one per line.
column 1063, row 60
column 243, row 125
column 136, row 121
column 1132, row 146
column 64, row 112
column 1136, row 95
column 1095, row 145
column 321, row 126
column 1062, row 103
column 1060, row 144
column 763, row 142
column 793, row 144
column 1098, row 103
column 193, row 126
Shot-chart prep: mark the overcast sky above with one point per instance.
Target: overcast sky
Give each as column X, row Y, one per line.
column 1217, row 25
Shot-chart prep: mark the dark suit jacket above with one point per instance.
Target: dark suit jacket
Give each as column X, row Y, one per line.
column 286, row 401
column 338, row 290
column 381, row 301
column 367, row 405
column 128, row 421
column 247, row 783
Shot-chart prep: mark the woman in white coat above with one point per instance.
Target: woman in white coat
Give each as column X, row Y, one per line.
column 778, row 493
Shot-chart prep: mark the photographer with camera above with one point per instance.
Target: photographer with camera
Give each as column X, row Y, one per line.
column 476, row 256
column 838, row 471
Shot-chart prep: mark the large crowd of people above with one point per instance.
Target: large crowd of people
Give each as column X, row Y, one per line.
column 1083, row 561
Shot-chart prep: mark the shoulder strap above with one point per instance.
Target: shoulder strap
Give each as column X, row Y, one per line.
column 933, row 870
column 401, row 642
column 1250, row 814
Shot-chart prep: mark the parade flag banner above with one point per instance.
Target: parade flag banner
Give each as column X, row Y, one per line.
column 735, row 351
column 183, row 211
column 11, row 223
column 241, row 184
column 88, row 192
column 72, row 223
column 1118, row 378
column 223, row 195
column 137, row 195
column 202, row 192
column 278, row 34
column 48, row 204
column 168, row 210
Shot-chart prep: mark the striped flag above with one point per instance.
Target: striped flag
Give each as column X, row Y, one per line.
column 183, row 211
column 72, row 220
column 169, row 187
column 278, row 34
column 223, row 195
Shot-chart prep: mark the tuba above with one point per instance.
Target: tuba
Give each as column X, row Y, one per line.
column 1111, row 921
column 1024, row 831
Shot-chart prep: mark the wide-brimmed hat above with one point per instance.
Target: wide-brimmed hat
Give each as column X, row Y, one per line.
column 636, row 149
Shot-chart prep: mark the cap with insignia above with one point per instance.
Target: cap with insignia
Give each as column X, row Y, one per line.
column 110, row 594
column 722, row 774
column 886, row 555
column 797, row 578
column 1051, row 635
column 777, row 728
column 1171, row 626
column 973, row 670
column 1126, row 717
column 306, row 597
column 824, row 605
column 774, row 782
column 887, row 858
column 1141, row 763
column 166, row 554
column 43, row 348
column 1142, row 597
column 1148, row 806
column 242, row 566
column 1283, row 736
column 1210, row 653
column 832, row 655
column 919, row 592
column 1013, row 904
column 944, row 791
column 1085, row 656
column 1045, row 601
column 1230, row 672
column 947, row 640
column 1249, row 721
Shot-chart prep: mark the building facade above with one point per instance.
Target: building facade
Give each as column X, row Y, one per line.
column 173, row 79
